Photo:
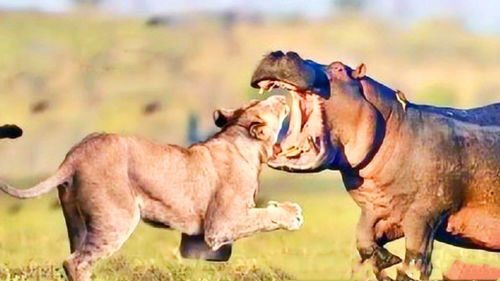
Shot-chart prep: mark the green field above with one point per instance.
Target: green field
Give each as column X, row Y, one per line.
column 95, row 72
column 33, row 242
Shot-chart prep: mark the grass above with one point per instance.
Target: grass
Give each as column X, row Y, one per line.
column 33, row 242
column 98, row 72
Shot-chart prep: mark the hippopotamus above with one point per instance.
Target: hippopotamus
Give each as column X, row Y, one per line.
column 416, row 171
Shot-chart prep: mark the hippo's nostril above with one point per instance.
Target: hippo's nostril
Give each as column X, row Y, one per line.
column 276, row 54
column 293, row 55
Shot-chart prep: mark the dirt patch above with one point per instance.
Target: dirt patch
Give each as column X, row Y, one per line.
column 462, row 271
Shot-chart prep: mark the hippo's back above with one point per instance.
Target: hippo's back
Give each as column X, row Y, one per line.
column 475, row 138
column 488, row 115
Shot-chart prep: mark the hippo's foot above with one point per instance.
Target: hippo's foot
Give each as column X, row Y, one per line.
column 194, row 247
column 415, row 267
column 401, row 276
column 383, row 258
column 382, row 276
column 380, row 257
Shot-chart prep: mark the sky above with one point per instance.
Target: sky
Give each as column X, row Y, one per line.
column 479, row 16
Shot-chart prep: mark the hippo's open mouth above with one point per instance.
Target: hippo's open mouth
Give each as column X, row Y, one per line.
column 306, row 145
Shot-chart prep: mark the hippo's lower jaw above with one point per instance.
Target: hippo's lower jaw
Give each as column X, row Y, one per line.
column 305, row 162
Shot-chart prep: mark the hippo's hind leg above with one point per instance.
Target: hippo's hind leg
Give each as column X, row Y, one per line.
column 372, row 250
column 419, row 232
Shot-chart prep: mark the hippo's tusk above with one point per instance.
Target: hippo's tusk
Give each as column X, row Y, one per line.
column 313, row 144
column 271, row 88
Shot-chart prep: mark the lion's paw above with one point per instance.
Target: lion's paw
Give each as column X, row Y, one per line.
column 291, row 218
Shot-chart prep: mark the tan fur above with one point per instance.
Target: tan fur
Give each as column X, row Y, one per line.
column 108, row 183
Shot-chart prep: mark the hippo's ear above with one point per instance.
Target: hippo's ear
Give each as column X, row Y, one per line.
column 359, row 72
column 223, row 116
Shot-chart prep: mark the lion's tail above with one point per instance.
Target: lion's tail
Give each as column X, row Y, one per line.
column 63, row 174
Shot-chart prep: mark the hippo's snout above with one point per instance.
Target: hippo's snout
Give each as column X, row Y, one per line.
column 290, row 68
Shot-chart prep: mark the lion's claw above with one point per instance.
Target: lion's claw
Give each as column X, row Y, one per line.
column 272, row 204
column 291, row 215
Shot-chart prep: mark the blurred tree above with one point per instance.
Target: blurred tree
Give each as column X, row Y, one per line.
column 88, row 2
column 440, row 94
column 229, row 20
column 350, row 5
column 39, row 106
column 151, row 107
column 193, row 130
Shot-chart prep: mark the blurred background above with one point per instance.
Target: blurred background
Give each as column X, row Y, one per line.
column 158, row 68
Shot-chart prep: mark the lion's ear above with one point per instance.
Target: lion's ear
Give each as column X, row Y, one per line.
column 222, row 117
column 359, row 72
column 258, row 130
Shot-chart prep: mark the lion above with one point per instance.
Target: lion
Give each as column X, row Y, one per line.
column 108, row 183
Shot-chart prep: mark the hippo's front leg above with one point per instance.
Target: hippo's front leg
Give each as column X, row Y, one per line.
column 370, row 249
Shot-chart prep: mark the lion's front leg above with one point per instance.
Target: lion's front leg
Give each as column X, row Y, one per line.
column 227, row 225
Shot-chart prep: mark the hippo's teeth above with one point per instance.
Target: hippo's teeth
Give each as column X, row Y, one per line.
column 313, row 143
column 271, row 88
column 305, row 147
column 261, row 91
column 293, row 151
column 288, row 150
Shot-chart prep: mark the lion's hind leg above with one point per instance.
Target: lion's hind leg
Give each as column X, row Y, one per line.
column 106, row 233
column 75, row 223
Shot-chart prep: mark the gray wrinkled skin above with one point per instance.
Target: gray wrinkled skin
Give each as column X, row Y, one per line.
column 416, row 171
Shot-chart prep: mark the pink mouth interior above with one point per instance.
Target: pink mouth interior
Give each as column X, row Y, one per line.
column 306, row 132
